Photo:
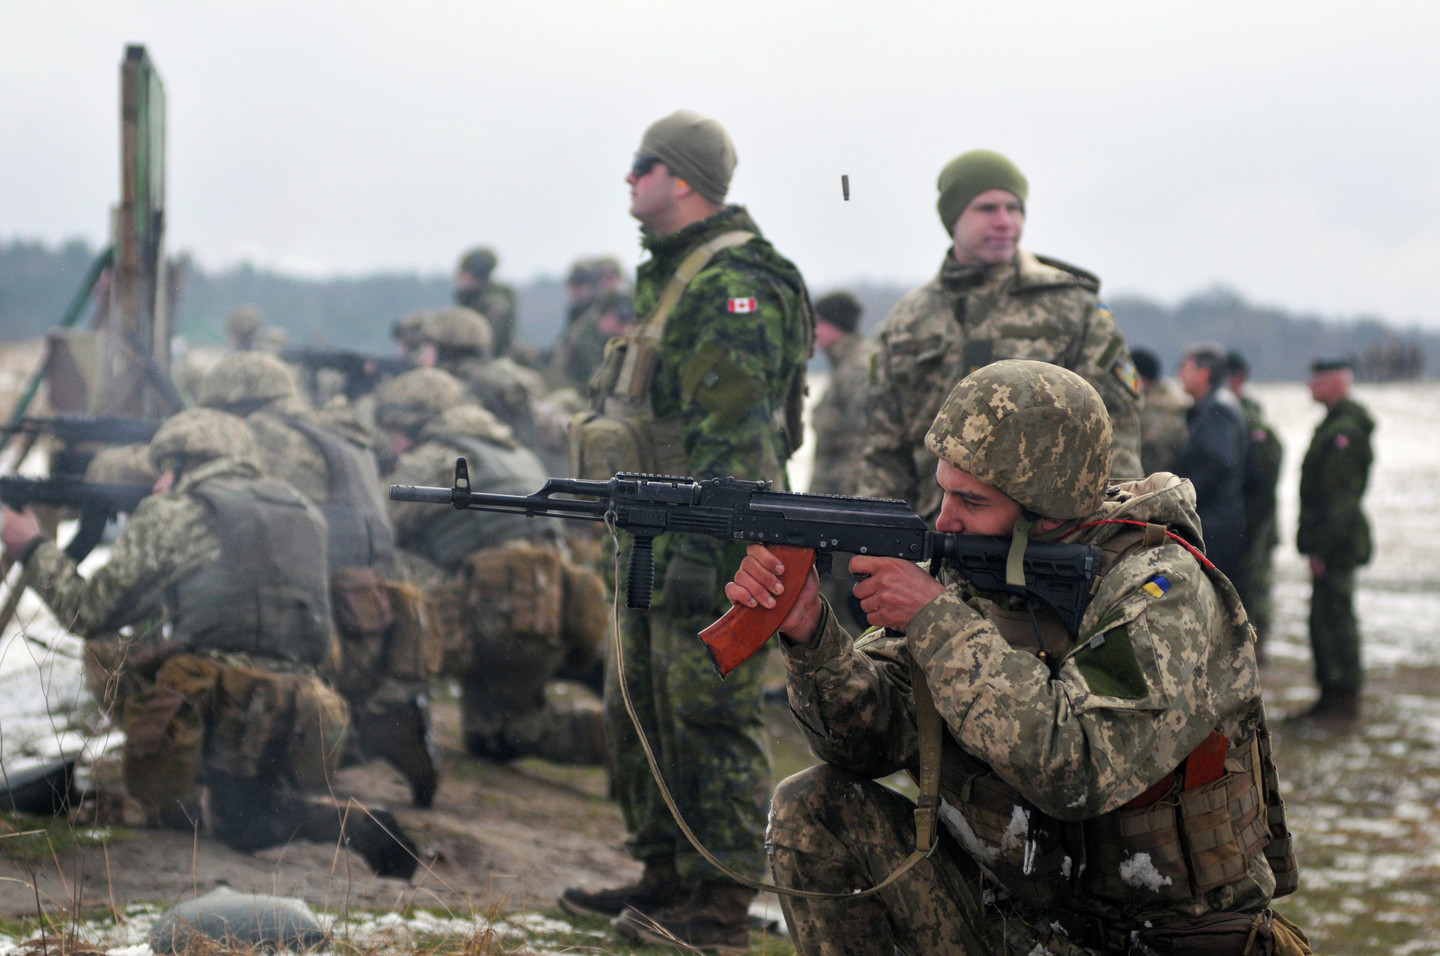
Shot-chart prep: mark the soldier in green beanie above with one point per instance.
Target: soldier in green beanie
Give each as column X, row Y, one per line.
column 709, row 381
column 991, row 300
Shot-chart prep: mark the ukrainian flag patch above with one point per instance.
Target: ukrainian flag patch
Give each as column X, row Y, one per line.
column 1156, row 586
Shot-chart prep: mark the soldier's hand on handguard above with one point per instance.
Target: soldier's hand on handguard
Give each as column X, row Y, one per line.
column 18, row 529
column 892, row 591
column 756, row 584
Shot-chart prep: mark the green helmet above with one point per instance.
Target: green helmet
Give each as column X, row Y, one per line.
column 242, row 382
column 242, row 323
column 406, row 402
column 458, row 329
column 199, row 435
column 479, row 262
column 1038, row 432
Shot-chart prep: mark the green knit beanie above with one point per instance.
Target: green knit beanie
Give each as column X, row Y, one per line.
column 970, row 174
column 695, row 148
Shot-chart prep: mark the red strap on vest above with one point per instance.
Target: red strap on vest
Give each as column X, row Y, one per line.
column 1199, row 555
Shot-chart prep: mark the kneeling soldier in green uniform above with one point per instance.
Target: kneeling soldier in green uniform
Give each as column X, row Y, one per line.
column 235, row 565
column 1100, row 791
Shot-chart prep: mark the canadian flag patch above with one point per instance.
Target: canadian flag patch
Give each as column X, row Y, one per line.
column 741, row 306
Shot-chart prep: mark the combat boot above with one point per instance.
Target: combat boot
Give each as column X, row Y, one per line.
column 400, row 735
column 659, row 886
column 1337, row 707
column 716, row 919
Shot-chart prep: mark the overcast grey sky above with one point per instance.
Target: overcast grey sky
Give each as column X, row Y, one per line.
column 1289, row 150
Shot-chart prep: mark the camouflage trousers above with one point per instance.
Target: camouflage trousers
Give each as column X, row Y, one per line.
column 708, row 738
column 255, row 738
column 1335, row 631
column 836, row 832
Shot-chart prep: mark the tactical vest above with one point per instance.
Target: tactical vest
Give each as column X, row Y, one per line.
column 269, row 593
column 361, row 534
column 623, row 433
column 448, row 538
column 1193, row 832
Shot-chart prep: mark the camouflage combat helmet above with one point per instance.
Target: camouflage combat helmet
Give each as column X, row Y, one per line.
column 243, row 323
column 199, row 435
column 406, row 402
column 243, row 382
column 458, row 329
column 1038, row 432
column 479, row 262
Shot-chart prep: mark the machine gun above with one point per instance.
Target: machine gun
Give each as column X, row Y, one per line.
column 76, row 431
column 798, row 527
column 361, row 372
column 97, row 503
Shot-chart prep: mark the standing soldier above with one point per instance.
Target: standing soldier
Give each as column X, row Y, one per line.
column 475, row 289
column 837, row 417
column 710, row 382
column 235, row 564
column 1262, row 478
column 1215, row 453
column 335, row 467
column 516, row 613
column 1335, row 536
column 991, row 300
column 1162, row 415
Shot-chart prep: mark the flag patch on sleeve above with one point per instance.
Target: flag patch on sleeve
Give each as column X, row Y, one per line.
column 741, row 306
column 1156, row 586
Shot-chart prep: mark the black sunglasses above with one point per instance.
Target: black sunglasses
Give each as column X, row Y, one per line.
column 643, row 163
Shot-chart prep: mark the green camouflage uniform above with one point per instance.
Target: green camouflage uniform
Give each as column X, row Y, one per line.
column 839, row 417
column 495, row 301
column 1333, row 477
column 732, row 350
column 967, row 317
column 1262, row 476
column 1163, row 428
column 1068, row 742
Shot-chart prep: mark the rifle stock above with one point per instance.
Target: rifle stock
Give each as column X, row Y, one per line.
column 803, row 528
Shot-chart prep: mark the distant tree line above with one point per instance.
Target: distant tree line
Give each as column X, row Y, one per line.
column 37, row 282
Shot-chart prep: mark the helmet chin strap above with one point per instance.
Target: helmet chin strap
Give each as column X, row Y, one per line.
column 1019, row 540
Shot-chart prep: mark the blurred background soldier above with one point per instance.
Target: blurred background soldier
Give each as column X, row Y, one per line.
column 1335, row 535
column 242, row 326
column 1215, row 453
column 475, row 289
column 328, row 457
column 1162, row 415
column 237, row 562
column 839, row 422
column 460, row 341
column 991, row 300
column 516, row 613
column 1262, row 479
column 607, row 311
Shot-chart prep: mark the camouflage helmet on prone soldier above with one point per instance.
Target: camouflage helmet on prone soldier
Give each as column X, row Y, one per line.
column 200, row 435
column 406, row 402
column 243, row 382
column 458, row 329
column 1038, row 432
column 243, row 323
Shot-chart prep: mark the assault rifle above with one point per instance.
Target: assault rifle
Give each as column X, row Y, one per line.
column 76, row 431
column 798, row 527
column 361, row 372
column 97, row 503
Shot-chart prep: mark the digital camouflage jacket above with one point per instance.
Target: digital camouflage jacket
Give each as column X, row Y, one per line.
column 1164, row 656
column 965, row 318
